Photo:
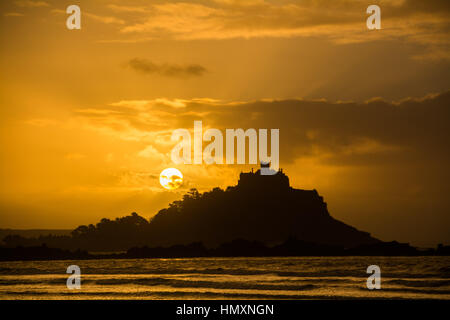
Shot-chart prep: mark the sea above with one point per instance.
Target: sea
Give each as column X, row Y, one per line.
column 230, row 278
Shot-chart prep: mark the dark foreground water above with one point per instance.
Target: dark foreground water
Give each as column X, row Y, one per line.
column 229, row 278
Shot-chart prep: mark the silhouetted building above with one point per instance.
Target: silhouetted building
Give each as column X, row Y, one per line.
column 263, row 208
column 256, row 181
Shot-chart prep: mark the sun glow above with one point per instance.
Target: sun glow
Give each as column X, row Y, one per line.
column 171, row 178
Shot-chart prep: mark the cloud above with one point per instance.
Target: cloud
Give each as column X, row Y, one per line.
column 151, row 153
column 41, row 122
column 31, row 4
column 134, row 9
column 13, row 14
column 341, row 21
column 95, row 17
column 341, row 134
column 144, row 66
column 104, row 19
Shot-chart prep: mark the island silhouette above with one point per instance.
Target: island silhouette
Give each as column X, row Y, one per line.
column 261, row 216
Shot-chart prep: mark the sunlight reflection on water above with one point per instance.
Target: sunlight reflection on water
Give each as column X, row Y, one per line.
column 229, row 278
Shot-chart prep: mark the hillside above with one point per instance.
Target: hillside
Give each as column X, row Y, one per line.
column 259, row 208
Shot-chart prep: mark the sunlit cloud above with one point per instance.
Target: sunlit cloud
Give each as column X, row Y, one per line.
column 13, row 14
column 336, row 132
column 31, row 4
column 340, row 21
column 95, row 17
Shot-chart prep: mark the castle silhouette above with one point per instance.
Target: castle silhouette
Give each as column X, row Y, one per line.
column 257, row 180
column 261, row 208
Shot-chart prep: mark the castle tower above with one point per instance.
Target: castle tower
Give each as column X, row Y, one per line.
column 257, row 181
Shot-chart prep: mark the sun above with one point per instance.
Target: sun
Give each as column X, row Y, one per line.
column 171, row 178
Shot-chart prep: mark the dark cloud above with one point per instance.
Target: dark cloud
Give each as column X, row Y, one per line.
column 339, row 133
column 145, row 66
column 346, row 133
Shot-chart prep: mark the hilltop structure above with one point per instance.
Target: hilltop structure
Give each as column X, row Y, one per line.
column 256, row 180
column 260, row 207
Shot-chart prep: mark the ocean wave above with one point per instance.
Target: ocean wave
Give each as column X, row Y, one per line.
column 38, row 281
column 434, row 283
column 22, row 271
column 429, row 291
column 318, row 274
column 171, row 295
column 176, row 283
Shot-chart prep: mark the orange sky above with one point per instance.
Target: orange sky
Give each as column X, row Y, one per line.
column 86, row 115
